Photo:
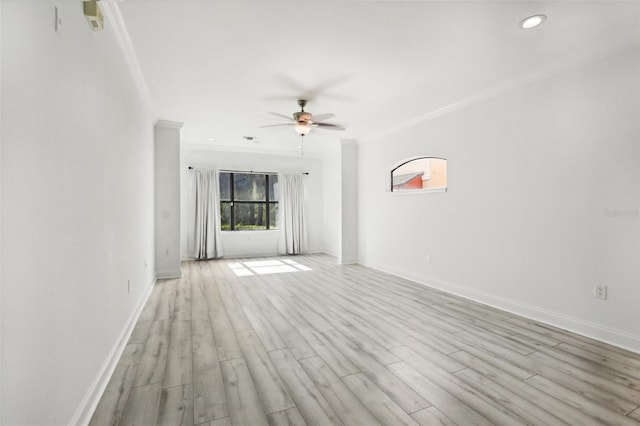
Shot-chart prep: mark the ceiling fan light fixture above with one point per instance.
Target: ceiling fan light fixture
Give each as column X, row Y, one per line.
column 302, row 128
column 532, row 21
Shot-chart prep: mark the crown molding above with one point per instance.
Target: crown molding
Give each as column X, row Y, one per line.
column 113, row 16
column 228, row 148
column 567, row 63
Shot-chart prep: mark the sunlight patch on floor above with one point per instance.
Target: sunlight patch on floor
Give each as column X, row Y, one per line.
column 264, row 267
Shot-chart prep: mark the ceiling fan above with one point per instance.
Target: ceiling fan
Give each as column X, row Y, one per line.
column 304, row 121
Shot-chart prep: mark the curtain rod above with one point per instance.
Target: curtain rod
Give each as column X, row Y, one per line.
column 249, row 171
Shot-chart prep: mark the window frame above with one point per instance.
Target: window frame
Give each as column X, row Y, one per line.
column 415, row 191
column 232, row 202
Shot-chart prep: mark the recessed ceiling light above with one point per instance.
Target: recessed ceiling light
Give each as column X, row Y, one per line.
column 210, row 139
column 532, row 21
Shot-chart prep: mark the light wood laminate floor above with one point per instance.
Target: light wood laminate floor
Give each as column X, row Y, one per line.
column 349, row 345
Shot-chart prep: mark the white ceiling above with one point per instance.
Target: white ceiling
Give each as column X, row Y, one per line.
column 221, row 66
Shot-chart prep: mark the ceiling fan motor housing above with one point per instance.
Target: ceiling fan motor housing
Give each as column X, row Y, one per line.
column 302, row 117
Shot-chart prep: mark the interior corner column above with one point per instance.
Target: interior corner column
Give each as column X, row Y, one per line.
column 349, row 214
column 167, row 198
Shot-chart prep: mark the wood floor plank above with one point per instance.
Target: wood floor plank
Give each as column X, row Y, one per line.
column 200, row 320
column 558, row 408
column 452, row 406
column 176, row 406
column 226, row 342
column 506, row 364
column 210, row 402
column 341, row 399
column 107, row 413
column 237, row 317
column 290, row 417
column 154, row 357
column 568, row 337
column 433, row 348
column 615, row 395
column 302, row 310
column 502, row 352
column 386, row 411
column 235, row 313
column 111, row 407
column 142, row 406
column 397, row 390
column 292, row 338
column 122, row 377
column 319, row 344
column 507, row 340
column 182, row 308
column 423, row 365
column 179, row 368
column 364, row 326
column 628, row 368
column 598, row 369
column 485, row 318
column 269, row 384
column 268, row 336
column 363, row 342
column 166, row 305
column 149, row 311
column 345, row 344
column 591, row 408
column 140, row 332
column 245, row 408
column 313, row 407
column 510, row 400
column 432, row 417
column 226, row 421
column 329, row 353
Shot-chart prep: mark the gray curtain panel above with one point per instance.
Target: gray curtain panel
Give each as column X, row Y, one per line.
column 207, row 242
column 293, row 223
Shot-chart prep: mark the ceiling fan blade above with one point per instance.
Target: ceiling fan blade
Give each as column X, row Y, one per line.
column 328, row 126
column 277, row 114
column 276, row 125
column 322, row 117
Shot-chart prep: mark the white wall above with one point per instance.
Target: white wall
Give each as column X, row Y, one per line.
column 167, row 198
column 77, row 208
column 332, row 187
column 523, row 225
column 349, row 203
column 256, row 243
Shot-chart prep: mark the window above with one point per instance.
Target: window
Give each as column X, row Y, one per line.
column 425, row 174
column 248, row 201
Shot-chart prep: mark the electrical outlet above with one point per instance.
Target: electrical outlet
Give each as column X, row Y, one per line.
column 428, row 258
column 146, row 264
column 128, row 286
column 601, row 292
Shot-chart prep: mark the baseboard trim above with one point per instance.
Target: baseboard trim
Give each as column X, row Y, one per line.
column 579, row 326
column 89, row 402
column 174, row 273
column 247, row 255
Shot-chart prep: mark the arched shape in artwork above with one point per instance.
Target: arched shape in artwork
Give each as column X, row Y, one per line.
column 425, row 174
